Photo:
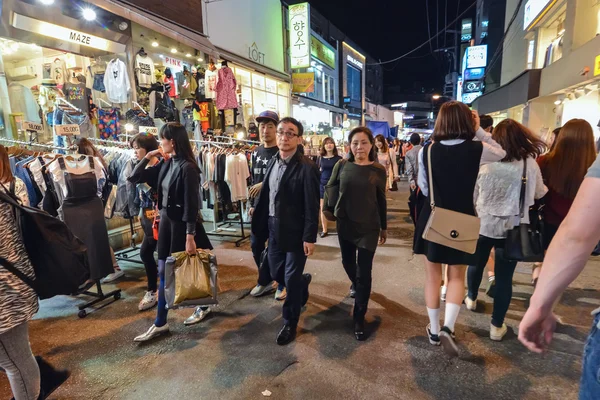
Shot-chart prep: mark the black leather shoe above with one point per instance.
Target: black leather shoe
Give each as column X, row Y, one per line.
column 324, row 235
column 307, row 278
column 286, row 335
column 359, row 331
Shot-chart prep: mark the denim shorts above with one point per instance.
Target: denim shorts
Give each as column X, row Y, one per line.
column 590, row 377
column 99, row 83
column 85, row 126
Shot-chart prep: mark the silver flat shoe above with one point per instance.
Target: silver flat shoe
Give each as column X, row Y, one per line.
column 151, row 333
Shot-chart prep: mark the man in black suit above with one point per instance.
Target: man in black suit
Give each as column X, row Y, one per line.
column 287, row 213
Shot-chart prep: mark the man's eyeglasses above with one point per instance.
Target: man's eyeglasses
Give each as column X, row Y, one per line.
column 288, row 134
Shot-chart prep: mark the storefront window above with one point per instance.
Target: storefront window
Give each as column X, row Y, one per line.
column 354, row 85
column 271, row 85
column 242, row 76
column 258, row 81
column 550, row 41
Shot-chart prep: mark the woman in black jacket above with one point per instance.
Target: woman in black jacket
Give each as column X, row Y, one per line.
column 177, row 181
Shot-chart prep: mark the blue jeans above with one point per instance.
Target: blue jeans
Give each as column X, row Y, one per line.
column 590, row 377
column 287, row 269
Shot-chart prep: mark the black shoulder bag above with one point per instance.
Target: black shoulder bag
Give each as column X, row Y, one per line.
column 332, row 194
column 525, row 242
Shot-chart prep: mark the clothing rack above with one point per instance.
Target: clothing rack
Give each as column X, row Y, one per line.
column 105, row 102
column 61, row 100
column 34, row 144
column 140, row 107
column 237, row 140
column 226, row 225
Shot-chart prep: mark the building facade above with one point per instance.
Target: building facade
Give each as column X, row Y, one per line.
column 551, row 65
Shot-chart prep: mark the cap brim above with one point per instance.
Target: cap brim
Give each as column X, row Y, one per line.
column 266, row 119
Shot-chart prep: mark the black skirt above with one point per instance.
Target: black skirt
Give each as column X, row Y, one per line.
column 437, row 253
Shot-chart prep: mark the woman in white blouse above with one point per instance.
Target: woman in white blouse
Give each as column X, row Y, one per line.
column 497, row 195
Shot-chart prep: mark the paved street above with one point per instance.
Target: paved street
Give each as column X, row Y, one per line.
column 233, row 355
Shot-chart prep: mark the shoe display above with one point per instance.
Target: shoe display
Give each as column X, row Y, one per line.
column 307, row 279
column 359, row 331
column 491, row 289
column 497, row 334
column 286, row 335
column 260, row 290
column 433, row 339
column 151, row 333
column 471, row 304
column 199, row 314
column 444, row 291
column 352, row 291
column 50, row 377
column 114, row 276
column 150, row 300
column 447, row 338
column 280, row 294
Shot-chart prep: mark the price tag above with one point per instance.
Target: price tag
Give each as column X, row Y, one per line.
column 32, row 126
column 67, row 130
column 149, row 129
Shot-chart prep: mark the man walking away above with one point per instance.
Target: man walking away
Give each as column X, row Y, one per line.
column 487, row 123
column 267, row 126
column 287, row 213
column 416, row 198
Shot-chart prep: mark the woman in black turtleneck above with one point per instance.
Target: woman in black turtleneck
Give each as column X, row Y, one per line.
column 177, row 181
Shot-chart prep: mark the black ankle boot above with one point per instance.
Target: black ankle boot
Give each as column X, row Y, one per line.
column 50, row 377
column 359, row 330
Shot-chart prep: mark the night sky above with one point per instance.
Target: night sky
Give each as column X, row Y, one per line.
column 387, row 29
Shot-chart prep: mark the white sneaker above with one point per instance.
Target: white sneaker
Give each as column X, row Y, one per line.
column 280, row 294
column 151, row 333
column 433, row 339
column 150, row 300
column 496, row 334
column 444, row 291
column 471, row 304
column 114, row 276
column 259, row 290
column 198, row 315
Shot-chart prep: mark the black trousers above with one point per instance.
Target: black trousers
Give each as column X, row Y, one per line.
column 258, row 247
column 359, row 270
column 505, row 269
column 147, row 253
column 287, row 269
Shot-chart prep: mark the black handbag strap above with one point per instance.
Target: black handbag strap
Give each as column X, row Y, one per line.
column 11, row 268
column 523, row 187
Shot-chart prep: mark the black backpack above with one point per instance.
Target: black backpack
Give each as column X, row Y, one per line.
column 59, row 258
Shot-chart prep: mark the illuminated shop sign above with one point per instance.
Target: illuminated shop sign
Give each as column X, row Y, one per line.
column 474, row 73
column 466, row 31
column 69, row 35
column 535, row 10
column 469, row 98
column 322, row 52
column 472, row 86
column 354, row 61
column 477, row 56
column 299, row 22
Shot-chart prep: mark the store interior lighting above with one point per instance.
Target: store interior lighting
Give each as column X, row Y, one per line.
column 88, row 14
column 188, row 55
column 47, row 2
column 155, row 43
column 174, row 50
column 200, row 59
column 129, row 127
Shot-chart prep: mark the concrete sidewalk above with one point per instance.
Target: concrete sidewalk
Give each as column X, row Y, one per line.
column 233, row 355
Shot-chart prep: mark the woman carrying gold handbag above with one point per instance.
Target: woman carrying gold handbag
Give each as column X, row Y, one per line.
column 447, row 229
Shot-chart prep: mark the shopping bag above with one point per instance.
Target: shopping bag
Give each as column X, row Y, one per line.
column 191, row 281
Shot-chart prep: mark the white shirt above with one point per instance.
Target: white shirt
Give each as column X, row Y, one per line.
column 116, row 82
column 237, row 173
column 77, row 168
column 211, row 78
column 22, row 101
column 492, row 152
column 497, row 195
column 144, row 68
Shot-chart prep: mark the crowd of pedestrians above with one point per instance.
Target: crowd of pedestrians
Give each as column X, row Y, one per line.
column 468, row 170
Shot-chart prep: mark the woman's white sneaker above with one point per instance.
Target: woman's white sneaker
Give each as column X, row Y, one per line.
column 471, row 304
column 433, row 339
column 149, row 300
column 496, row 334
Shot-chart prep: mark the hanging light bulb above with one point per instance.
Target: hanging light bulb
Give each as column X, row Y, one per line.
column 174, row 50
column 89, row 14
column 155, row 43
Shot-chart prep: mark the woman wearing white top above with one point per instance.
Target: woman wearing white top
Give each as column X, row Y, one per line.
column 387, row 158
column 460, row 147
column 497, row 196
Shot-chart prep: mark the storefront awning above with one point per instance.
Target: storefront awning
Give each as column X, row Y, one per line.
column 518, row 91
column 316, row 103
column 256, row 67
column 160, row 25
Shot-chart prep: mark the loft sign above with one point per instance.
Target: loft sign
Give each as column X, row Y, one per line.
column 354, row 61
column 255, row 54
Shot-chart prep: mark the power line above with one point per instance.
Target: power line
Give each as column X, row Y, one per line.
column 428, row 25
column 428, row 41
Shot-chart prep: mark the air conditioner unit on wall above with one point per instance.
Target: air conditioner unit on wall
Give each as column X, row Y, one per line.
column 22, row 73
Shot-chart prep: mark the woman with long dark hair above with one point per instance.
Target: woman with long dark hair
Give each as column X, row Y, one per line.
column 563, row 170
column 387, row 158
column 327, row 160
column 361, row 213
column 177, row 181
column 498, row 206
column 147, row 196
column 455, row 161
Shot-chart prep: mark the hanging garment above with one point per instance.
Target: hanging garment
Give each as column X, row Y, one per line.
column 116, row 81
column 109, row 125
column 77, row 94
column 86, row 129
column 144, row 69
column 22, row 101
column 83, row 213
column 201, row 87
column 59, row 72
column 47, row 98
column 237, row 173
column 226, row 89
column 211, row 78
column 170, row 86
column 187, row 119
